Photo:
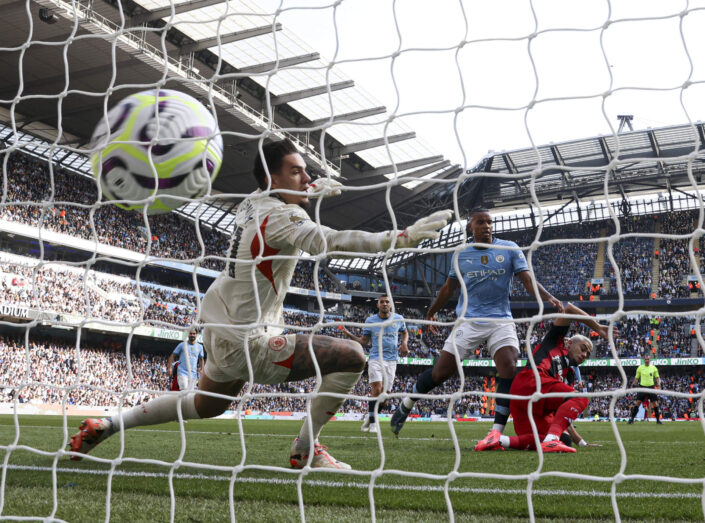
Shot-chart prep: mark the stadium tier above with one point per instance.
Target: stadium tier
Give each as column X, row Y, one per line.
column 235, row 285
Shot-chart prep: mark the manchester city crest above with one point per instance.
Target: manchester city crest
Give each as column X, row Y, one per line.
column 500, row 258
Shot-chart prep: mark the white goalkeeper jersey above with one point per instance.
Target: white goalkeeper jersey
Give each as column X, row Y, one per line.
column 247, row 297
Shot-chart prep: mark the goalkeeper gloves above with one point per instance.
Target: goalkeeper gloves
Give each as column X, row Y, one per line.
column 424, row 229
column 323, row 187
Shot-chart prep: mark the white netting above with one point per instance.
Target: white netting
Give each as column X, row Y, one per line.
column 465, row 78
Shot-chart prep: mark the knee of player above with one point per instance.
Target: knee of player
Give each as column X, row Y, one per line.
column 506, row 361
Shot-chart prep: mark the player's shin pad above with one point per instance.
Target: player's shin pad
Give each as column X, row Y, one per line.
column 501, row 416
column 323, row 408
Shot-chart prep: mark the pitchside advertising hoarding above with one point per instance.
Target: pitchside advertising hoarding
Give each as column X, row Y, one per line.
column 603, row 362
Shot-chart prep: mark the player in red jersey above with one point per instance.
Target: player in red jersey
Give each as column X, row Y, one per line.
column 174, row 385
column 554, row 358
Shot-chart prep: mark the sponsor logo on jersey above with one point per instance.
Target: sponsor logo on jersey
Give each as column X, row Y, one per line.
column 500, row 258
column 485, row 273
column 277, row 343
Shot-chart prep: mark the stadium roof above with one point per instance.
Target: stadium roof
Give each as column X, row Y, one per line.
column 650, row 160
column 267, row 80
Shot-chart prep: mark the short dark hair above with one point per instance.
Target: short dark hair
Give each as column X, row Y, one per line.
column 274, row 153
column 476, row 210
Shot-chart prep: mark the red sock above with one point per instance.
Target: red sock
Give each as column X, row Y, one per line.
column 566, row 414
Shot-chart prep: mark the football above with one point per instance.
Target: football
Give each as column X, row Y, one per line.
column 156, row 148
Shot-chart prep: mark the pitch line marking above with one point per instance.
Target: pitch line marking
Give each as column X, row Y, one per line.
column 330, row 436
column 341, row 484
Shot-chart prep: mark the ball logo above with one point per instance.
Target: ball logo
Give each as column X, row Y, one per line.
column 277, row 343
column 500, row 258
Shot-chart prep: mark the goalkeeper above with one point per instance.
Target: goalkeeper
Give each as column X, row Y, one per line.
column 486, row 273
column 243, row 310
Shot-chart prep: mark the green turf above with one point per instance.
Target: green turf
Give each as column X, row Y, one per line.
column 141, row 491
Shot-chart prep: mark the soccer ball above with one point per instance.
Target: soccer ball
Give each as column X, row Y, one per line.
column 154, row 145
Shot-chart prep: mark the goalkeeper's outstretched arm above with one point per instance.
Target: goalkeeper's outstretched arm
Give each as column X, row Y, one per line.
column 299, row 230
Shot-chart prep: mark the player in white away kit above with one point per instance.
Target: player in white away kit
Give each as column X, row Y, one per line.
column 243, row 310
column 381, row 369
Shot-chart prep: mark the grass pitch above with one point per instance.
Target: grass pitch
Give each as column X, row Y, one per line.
column 213, row 471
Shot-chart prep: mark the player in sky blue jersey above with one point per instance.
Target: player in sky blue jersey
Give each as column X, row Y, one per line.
column 190, row 354
column 486, row 272
column 381, row 370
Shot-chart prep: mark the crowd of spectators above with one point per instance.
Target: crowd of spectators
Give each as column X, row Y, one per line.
column 62, row 289
column 68, row 203
column 562, row 268
column 46, row 371
column 671, row 406
column 674, row 261
column 63, row 203
column 68, row 211
column 634, row 257
column 304, row 277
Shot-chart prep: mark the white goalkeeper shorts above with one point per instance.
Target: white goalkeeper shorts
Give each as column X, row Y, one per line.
column 271, row 358
column 382, row 371
column 469, row 335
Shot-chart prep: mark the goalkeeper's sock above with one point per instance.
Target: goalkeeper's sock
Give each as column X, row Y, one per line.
column 323, row 408
column 569, row 410
column 371, row 408
column 423, row 385
column 501, row 412
column 157, row 411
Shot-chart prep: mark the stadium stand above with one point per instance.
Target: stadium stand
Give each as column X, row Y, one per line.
column 105, row 382
column 172, row 236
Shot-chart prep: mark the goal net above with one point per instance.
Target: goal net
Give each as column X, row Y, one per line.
column 576, row 125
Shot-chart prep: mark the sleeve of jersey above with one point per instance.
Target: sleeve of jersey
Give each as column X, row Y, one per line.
column 366, row 330
column 557, row 332
column 291, row 225
column 452, row 273
column 178, row 349
column 519, row 259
